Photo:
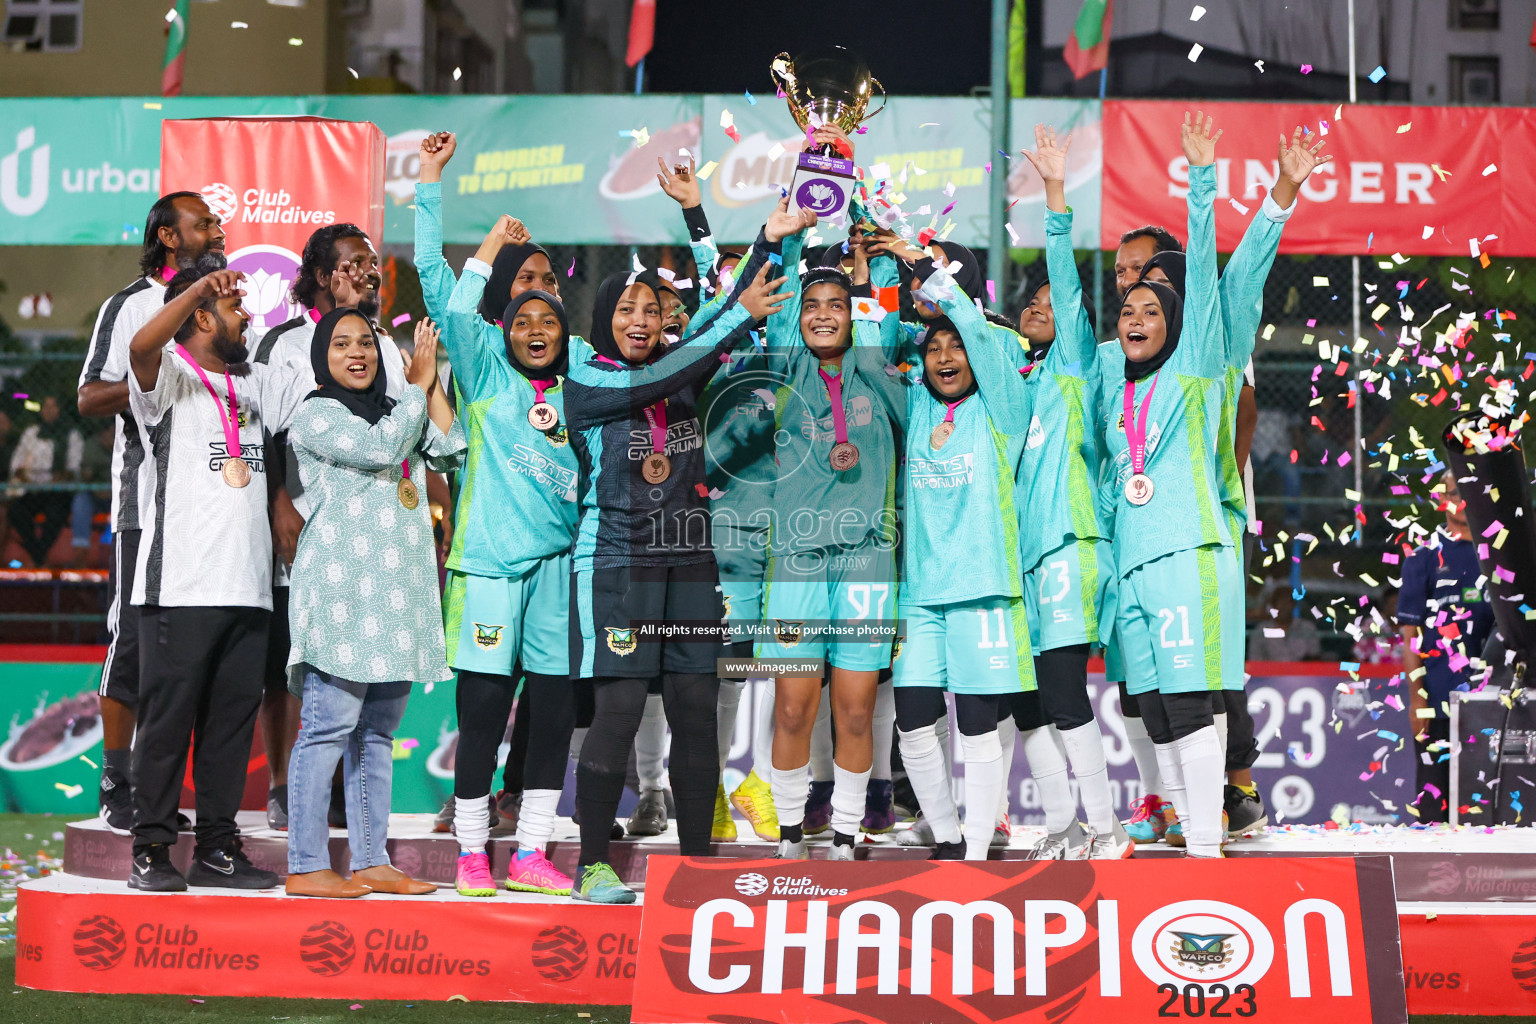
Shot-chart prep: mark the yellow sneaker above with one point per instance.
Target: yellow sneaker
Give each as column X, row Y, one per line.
column 754, row 800
column 724, row 830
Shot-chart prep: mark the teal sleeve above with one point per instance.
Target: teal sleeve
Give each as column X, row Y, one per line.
column 987, row 349
column 1074, row 342
column 1202, row 349
column 1242, row 285
column 444, row 453
column 870, row 362
column 475, row 349
column 784, row 326
column 436, row 277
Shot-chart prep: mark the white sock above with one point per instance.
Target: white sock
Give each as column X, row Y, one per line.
column 1085, row 749
column 790, row 787
column 762, row 734
column 883, row 729
column 651, row 744
column 1173, row 777
column 821, row 743
column 726, row 706
column 848, row 799
column 1221, row 735
column 1204, row 771
column 926, row 770
column 1145, row 754
column 984, row 777
column 1049, row 767
column 1007, row 734
column 536, row 818
column 472, row 822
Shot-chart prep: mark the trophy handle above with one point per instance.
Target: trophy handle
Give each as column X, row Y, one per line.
column 783, row 85
column 884, row 99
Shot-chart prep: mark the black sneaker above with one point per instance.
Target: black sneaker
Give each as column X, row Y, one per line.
column 228, row 868
column 152, row 871
column 116, row 799
column 1245, row 813
column 948, row 851
column 650, row 817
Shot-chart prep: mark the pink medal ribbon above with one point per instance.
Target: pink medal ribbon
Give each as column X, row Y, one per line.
column 845, row 455
column 236, row 472
column 1138, row 489
column 943, row 430
column 656, row 467
column 542, row 415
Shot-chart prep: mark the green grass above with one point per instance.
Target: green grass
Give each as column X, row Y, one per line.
column 28, row 835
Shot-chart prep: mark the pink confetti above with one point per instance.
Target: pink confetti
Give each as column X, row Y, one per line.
column 572, row 268
column 1306, row 69
column 403, row 318
column 355, row 1006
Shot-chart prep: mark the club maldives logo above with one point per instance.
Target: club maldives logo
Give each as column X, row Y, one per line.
column 819, row 195
column 221, row 200
column 751, row 884
column 327, row 948
column 559, row 953
column 1203, row 941
column 269, row 271
column 1522, row 965
column 100, row 942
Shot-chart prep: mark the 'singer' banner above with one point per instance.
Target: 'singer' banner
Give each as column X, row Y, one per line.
column 1427, row 181
column 817, row 942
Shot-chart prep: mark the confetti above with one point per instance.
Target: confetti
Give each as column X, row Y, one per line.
column 572, row 268
column 1260, row 65
column 170, row 15
column 238, row 24
column 153, row 106
column 1306, row 69
column 1377, row 75
column 403, row 318
column 1197, row 13
column 1195, row 51
column 1404, row 127
column 1239, row 207
column 295, row 42
column 68, row 790
column 1490, row 169
column 458, row 73
column 352, row 72
column 752, row 100
column 705, row 171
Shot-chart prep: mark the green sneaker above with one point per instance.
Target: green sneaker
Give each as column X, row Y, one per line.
column 597, row 883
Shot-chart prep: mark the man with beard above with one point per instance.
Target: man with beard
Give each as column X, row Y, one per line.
column 339, row 268
column 180, row 233
column 203, row 581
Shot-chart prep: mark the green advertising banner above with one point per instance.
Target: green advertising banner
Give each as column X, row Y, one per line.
column 578, row 170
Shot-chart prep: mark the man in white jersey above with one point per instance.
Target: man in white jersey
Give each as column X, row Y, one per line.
column 339, row 268
column 180, row 232
column 204, row 573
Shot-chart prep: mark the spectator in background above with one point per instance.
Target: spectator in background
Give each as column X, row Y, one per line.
column 1282, row 634
column 49, row 452
column 1445, row 620
column 95, row 468
column 8, row 438
column 1379, row 641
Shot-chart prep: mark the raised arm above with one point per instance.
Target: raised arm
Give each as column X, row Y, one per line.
column 149, row 342
column 600, row 395
column 1074, row 342
column 784, row 234
column 436, row 276
column 1202, row 348
column 328, row 432
column 994, row 352
column 475, row 349
column 681, row 182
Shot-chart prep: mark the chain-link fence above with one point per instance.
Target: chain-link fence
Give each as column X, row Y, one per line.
column 1340, row 466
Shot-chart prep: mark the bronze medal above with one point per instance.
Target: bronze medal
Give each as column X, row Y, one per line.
column 844, row 456
column 409, row 496
column 543, row 417
column 655, row 468
column 236, row 472
column 1138, row 489
column 940, row 435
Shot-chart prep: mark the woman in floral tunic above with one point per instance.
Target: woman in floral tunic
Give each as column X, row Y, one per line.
column 366, row 618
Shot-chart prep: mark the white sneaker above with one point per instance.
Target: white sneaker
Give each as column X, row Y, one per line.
column 1069, row 844
column 791, row 851
column 1002, row 835
column 1117, row 845
column 920, row 834
column 840, row 852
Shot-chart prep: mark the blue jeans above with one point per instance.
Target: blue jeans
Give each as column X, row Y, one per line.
column 357, row 720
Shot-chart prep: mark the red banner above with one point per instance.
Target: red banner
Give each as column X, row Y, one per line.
column 816, row 942
column 405, row 948
column 274, row 182
column 1410, row 180
column 1480, row 961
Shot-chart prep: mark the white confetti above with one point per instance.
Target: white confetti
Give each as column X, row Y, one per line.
column 1490, row 169
column 458, row 73
column 1239, row 207
column 776, row 152
column 1195, row 51
column 170, row 16
column 238, row 24
column 295, row 42
column 1197, row 13
column 1428, row 231
column 1260, row 65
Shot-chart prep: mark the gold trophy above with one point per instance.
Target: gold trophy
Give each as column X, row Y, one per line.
column 829, row 85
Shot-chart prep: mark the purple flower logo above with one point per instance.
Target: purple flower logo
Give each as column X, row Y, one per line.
column 270, row 271
column 819, row 195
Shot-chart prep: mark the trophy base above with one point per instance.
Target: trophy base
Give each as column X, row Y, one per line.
column 823, row 185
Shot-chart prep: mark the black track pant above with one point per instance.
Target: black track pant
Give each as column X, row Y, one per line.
column 693, row 763
column 1172, row 716
column 921, row 707
column 200, row 675
column 484, row 701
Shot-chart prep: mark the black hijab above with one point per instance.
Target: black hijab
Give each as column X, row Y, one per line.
column 1173, row 317
column 608, row 295
column 503, row 272
column 562, row 362
column 943, row 323
column 1172, row 262
column 373, row 402
column 969, row 275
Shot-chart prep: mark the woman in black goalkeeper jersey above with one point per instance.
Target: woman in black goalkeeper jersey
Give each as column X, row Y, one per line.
column 643, row 555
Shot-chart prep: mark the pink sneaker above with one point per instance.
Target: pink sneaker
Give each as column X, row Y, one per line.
column 1149, row 822
column 475, row 875
column 532, row 872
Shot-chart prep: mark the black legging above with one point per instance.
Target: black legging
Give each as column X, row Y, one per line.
column 517, row 750
column 921, row 707
column 484, row 701
column 1242, row 747
column 1061, row 674
column 693, row 762
column 1172, row 716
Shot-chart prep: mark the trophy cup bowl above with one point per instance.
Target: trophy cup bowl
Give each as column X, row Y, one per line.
column 825, row 86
